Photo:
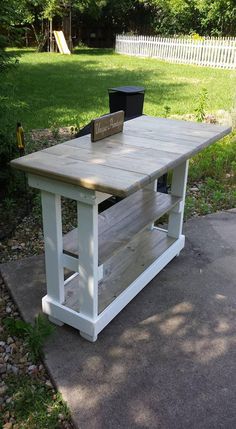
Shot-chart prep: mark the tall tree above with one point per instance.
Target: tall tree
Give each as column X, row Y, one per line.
column 7, row 62
column 215, row 17
column 218, row 17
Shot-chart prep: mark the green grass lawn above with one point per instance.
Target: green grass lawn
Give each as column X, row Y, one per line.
column 52, row 90
column 60, row 90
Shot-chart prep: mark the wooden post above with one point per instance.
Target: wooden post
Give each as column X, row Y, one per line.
column 66, row 25
column 51, row 48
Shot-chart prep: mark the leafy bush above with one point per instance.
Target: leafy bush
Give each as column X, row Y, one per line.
column 201, row 104
column 35, row 335
column 214, row 172
column 217, row 161
column 7, row 63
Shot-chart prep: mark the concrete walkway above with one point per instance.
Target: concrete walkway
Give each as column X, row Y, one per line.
column 168, row 361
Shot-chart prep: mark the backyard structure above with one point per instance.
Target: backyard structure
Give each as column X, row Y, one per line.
column 108, row 245
column 220, row 53
column 62, row 38
column 61, row 42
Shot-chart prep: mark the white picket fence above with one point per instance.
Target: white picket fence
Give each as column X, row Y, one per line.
column 211, row 52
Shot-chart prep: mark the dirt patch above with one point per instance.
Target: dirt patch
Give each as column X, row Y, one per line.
column 42, row 138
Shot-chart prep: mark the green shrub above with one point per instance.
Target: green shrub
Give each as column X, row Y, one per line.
column 201, row 104
column 214, row 172
column 35, row 335
column 217, row 161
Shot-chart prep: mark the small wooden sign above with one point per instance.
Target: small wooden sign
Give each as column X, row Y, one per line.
column 107, row 126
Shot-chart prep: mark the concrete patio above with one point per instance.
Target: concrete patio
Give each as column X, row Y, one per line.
column 167, row 361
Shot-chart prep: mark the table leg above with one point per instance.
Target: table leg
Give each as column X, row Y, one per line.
column 178, row 188
column 88, row 262
column 52, row 227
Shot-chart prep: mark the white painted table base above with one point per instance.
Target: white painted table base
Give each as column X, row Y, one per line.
column 88, row 320
column 113, row 264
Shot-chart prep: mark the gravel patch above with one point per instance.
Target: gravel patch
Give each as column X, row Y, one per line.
column 15, row 361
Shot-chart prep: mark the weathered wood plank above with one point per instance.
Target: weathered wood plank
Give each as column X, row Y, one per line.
column 131, row 161
column 99, row 177
column 124, row 150
column 120, row 147
column 185, row 150
column 118, row 224
column 154, row 142
column 168, row 132
column 183, row 139
column 123, row 163
column 167, row 123
column 123, row 268
column 117, row 144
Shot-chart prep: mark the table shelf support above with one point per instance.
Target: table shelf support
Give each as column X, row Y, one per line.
column 153, row 187
column 178, row 189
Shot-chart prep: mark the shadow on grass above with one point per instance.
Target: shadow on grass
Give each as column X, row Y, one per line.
column 62, row 89
column 93, row 51
column 23, row 51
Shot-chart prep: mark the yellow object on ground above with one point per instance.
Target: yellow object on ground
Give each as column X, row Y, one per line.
column 61, row 42
column 20, row 137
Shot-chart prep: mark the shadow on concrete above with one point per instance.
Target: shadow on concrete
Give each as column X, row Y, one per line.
column 168, row 359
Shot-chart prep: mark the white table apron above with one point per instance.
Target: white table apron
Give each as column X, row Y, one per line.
column 88, row 272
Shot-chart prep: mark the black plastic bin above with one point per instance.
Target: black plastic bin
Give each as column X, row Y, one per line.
column 130, row 99
column 127, row 98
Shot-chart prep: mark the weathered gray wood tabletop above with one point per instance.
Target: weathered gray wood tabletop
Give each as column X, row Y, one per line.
column 123, row 163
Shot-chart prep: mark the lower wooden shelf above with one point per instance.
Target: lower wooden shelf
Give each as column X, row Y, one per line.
column 123, row 268
column 123, row 221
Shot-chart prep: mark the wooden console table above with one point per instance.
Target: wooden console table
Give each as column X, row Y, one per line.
column 112, row 255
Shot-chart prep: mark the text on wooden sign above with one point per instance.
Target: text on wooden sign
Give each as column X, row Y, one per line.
column 107, row 125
